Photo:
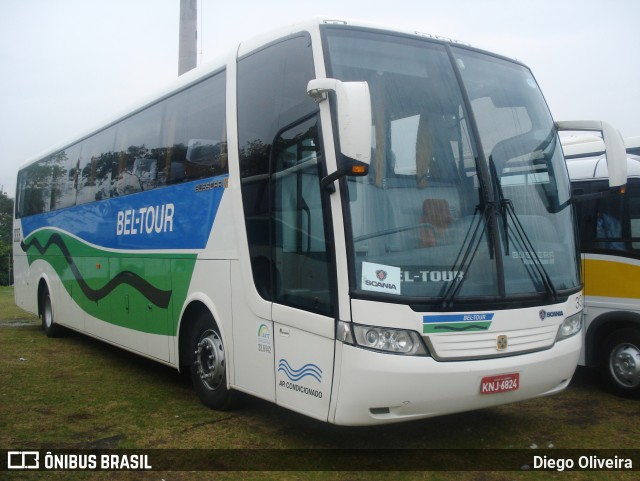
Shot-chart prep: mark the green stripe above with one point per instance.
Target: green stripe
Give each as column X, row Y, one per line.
column 456, row 327
column 144, row 292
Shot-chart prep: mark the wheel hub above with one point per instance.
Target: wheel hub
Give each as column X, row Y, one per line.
column 625, row 365
column 209, row 360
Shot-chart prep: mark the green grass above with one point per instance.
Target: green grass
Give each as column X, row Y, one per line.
column 8, row 310
column 75, row 392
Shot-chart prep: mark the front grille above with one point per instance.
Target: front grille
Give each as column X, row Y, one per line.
column 478, row 345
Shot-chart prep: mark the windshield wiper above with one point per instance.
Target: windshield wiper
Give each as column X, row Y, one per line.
column 527, row 245
column 507, row 211
column 466, row 254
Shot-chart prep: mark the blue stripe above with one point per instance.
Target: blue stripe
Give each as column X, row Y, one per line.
column 173, row 217
column 296, row 374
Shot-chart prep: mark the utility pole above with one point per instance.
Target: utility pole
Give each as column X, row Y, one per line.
column 188, row 41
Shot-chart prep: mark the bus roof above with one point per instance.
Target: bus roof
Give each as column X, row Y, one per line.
column 591, row 145
column 595, row 167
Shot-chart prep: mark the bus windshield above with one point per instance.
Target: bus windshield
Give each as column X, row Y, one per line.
column 467, row 197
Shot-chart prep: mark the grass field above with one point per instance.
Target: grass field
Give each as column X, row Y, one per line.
column 77, row 393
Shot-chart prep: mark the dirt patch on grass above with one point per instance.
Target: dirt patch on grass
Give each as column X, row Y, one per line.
column 102, row 443
column 18, row 323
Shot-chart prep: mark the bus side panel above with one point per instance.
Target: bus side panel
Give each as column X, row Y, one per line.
column 26, row 290
column 96, row 311
column 612, row 284
column 253, row 344
column 130, row 308
column 210, row 286
column 615, row 277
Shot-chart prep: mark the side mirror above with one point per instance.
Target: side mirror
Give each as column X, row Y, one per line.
column 354, row 124
column 614, row 148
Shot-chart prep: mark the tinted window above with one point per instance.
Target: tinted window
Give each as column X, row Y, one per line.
column 272, row 93
column 48, row 184
column 65, row 168
column 300, row 245
column 34, row 189
column 280, row 188
column 617, row 221
column 179, row 139
column 97, row 163
column 139, row 151
column 194, row 137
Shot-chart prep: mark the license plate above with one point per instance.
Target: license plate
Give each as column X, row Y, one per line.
column 501, row 383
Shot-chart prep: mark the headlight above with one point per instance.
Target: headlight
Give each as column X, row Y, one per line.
column 570, row 326
column 396, row 341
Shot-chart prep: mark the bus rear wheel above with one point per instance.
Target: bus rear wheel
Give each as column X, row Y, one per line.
column 621, row 361
column 208, row 364
column 50, row 328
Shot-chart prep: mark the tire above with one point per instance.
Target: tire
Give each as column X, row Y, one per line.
column 50, row 328
column 621, row 362
column 208, row 364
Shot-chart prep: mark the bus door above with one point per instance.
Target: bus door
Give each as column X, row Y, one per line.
column 304, row 325
column 286, row 219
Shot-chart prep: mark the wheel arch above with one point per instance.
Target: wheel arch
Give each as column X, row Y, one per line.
column 43, row 286
column 194, row 306
column 601, row 327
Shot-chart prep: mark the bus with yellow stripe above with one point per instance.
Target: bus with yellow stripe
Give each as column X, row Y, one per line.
column 609, row 228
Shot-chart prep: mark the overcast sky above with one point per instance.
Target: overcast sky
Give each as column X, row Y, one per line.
column 65, row 65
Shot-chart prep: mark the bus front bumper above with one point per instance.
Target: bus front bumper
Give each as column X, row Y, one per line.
column 377, row 388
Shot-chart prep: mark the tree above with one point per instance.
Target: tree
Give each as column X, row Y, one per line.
column 6, row 227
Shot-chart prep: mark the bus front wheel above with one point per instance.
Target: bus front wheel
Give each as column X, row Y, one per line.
column 621, row 361
column 208, row 364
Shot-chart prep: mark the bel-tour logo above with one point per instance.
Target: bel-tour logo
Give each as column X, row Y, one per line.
column 145, row 220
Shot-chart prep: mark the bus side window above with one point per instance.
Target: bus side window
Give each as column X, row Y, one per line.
column 139, row 151
column 633, row 209
column 63, row 181
column 265, row 108
column 608, row 223
column 34, row 188
column 195, row 139
column 617, row 221
column 96, row 165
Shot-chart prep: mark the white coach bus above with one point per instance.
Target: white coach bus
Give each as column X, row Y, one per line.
column 361, row 225
column 610, row 243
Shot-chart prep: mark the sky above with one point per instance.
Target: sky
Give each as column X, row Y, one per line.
column 67, row 65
